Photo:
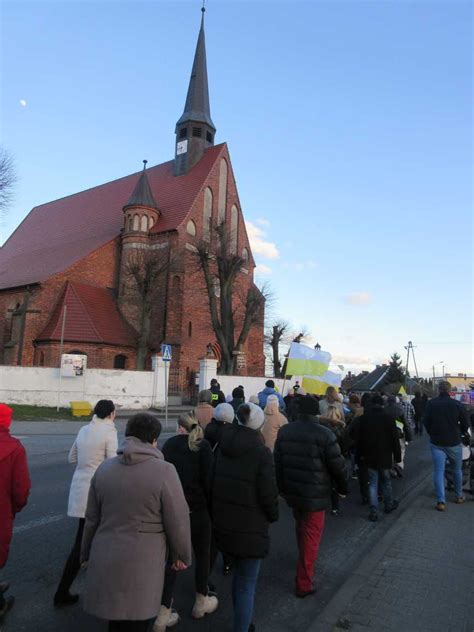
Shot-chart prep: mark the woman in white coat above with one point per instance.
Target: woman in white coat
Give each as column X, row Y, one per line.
column 95, row 442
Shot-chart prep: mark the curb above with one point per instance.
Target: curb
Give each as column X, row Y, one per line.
column 328, row 619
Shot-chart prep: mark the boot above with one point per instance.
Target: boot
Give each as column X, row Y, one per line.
column 167, row 618
column 203, row 605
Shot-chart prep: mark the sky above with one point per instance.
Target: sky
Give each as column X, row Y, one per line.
column 349, row 126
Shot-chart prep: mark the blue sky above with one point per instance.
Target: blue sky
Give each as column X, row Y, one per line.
column 349, row 127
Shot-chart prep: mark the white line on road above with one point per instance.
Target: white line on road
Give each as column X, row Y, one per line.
column 40, row 522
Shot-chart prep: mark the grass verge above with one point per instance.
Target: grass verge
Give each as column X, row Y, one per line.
column 23, row 412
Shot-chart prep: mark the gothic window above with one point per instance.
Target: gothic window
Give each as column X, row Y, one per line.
column 150, row 222
column 245, row 254
column 130, row 223
column 136, row 222
column 176, row 282
column 190, row 329
column 144, row 223
column 120, row 361
column 207, row 215
column 222, row 191
column 234, row 228
column 197, row 132
column 191, row 228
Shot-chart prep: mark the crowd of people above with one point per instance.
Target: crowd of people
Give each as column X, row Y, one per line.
column 213, row 490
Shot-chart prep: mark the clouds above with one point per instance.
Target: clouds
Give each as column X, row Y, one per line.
column 263, row 270
column 300, row 266
column 258, row 243
column 358, row 298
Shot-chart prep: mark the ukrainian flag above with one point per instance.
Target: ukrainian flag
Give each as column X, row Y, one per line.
column 303, row 360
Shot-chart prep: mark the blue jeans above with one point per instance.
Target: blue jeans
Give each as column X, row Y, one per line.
column 243, row 591
column 440, row 454
column 385, row 484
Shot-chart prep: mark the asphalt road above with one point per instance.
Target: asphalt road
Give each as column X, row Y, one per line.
column 43, row 537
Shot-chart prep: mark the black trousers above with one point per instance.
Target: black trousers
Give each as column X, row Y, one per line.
column 131, row 626
column 201, row 531
column 418, row 425
column 73, row 563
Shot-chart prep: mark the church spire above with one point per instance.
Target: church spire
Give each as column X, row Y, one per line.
column 195, row 129
column 142, row 195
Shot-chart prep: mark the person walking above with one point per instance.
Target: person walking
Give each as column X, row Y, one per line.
column 244, row 501
column 238, row 397
column 308, row 463
column 447, row 424
column 419, row 405
column 94, row 443
column 331, row 408
column 191, row 455
column 14, row 491
column 223, row 414
column 204, row 410
column 274, row 420
column 395, row 410
column 267, row 391
column 217, row 396
column 126, row 544
column 378, row 445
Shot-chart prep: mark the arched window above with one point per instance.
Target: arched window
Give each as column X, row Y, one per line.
column 130, row 223
column 136, row 222
column 191, row 228
column 176, row 282
column 234, row 228
column 207, row 215
column 190, row 329
column 151, row 221
column 222, row 191
column 144, row 223
column 120, row 361
column 245, row 254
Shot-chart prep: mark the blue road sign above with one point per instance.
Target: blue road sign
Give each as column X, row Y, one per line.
column 166, row 352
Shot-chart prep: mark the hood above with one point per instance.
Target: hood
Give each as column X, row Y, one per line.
column 268, row 390
column 237, row 440
column 133, row 451
column 8, row 444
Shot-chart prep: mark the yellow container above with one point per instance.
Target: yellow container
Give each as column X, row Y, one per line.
column 81, row 409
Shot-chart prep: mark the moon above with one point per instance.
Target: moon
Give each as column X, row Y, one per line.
column 23, row 103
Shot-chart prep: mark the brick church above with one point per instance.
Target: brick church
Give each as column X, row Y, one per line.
column 113, row 271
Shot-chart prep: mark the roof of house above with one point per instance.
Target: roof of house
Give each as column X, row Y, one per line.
column 373, row 380
column 53, row 236
column 91, row 316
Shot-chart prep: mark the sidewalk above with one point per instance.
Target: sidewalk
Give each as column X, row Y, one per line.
column 418, row 578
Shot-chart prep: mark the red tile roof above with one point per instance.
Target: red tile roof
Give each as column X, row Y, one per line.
column 55, row 235
column 91, row 316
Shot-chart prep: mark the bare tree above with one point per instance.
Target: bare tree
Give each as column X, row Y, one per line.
column 8, row 179
column 231, row 309
column 274, row 337
column 146, row 273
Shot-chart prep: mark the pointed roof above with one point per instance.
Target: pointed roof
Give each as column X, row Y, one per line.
column 91, row 316
column 197, row 107
column 142, row 195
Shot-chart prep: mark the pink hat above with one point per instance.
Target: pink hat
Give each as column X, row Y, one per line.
column 6, row 414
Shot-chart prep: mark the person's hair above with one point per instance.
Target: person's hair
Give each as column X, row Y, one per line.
column 444, row 386
column 104, row 408
column 214, row 382
column 331, row 391
column 377, row 400
column 243, row 414
column 270, row 384
column 143, row 426
column 354, row 399
column 238, row 393
column 205, row 396
column 189, row 422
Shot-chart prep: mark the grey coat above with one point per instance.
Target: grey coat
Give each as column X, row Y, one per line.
column 135, row 513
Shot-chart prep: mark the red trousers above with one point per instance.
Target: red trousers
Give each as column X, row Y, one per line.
column 309, row 531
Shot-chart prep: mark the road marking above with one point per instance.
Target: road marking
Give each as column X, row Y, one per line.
column 40, row 522
column 19, row 437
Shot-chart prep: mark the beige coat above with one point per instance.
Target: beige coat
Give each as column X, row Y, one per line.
column 274, row 420
column 94, row 443
column 204, row 414
column 135, row 512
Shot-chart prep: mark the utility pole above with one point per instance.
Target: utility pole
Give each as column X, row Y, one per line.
column 411, row 349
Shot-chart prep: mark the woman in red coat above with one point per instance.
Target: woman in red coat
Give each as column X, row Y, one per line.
column 14, row 489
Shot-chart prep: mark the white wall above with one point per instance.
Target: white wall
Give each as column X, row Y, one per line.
column 39, row 387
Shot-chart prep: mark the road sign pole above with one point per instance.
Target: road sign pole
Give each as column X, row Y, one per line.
column 166, row 393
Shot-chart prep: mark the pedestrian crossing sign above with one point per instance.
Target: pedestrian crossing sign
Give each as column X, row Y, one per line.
column 166, row 352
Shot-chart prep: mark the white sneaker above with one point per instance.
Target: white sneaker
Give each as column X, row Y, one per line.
column 167, row 618
column 203, row 605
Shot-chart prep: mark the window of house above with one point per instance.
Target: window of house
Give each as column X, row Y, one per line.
column 207, row 215
column 191, row 228
column 120, row 361
column 234, row 229
column 222, row 191
column 245, row 254
column 144, row 223
column 136, row 222
column 130, row 223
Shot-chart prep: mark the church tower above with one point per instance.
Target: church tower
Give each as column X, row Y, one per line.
column 195, row 130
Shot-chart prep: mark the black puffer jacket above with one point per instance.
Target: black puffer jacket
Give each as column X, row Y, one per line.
column 244, row 495
column 445, row 419
column 193, row 469
column 307, row 456
column 376, row 439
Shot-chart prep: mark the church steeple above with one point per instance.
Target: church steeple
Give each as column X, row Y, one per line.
column 141, row 212
column 195, row 130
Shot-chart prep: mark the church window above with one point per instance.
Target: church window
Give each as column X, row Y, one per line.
column 245, row 254
column 222, row 192
column 191, row 228
column 234, row 228
column 207, row 215
column 209, row 137
column 136, row 222
column 120, row 361
column 130, row 223
column 183, row 133
column 197, row 132
column 150, row 222
column 144, row 223
column 190, row 329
